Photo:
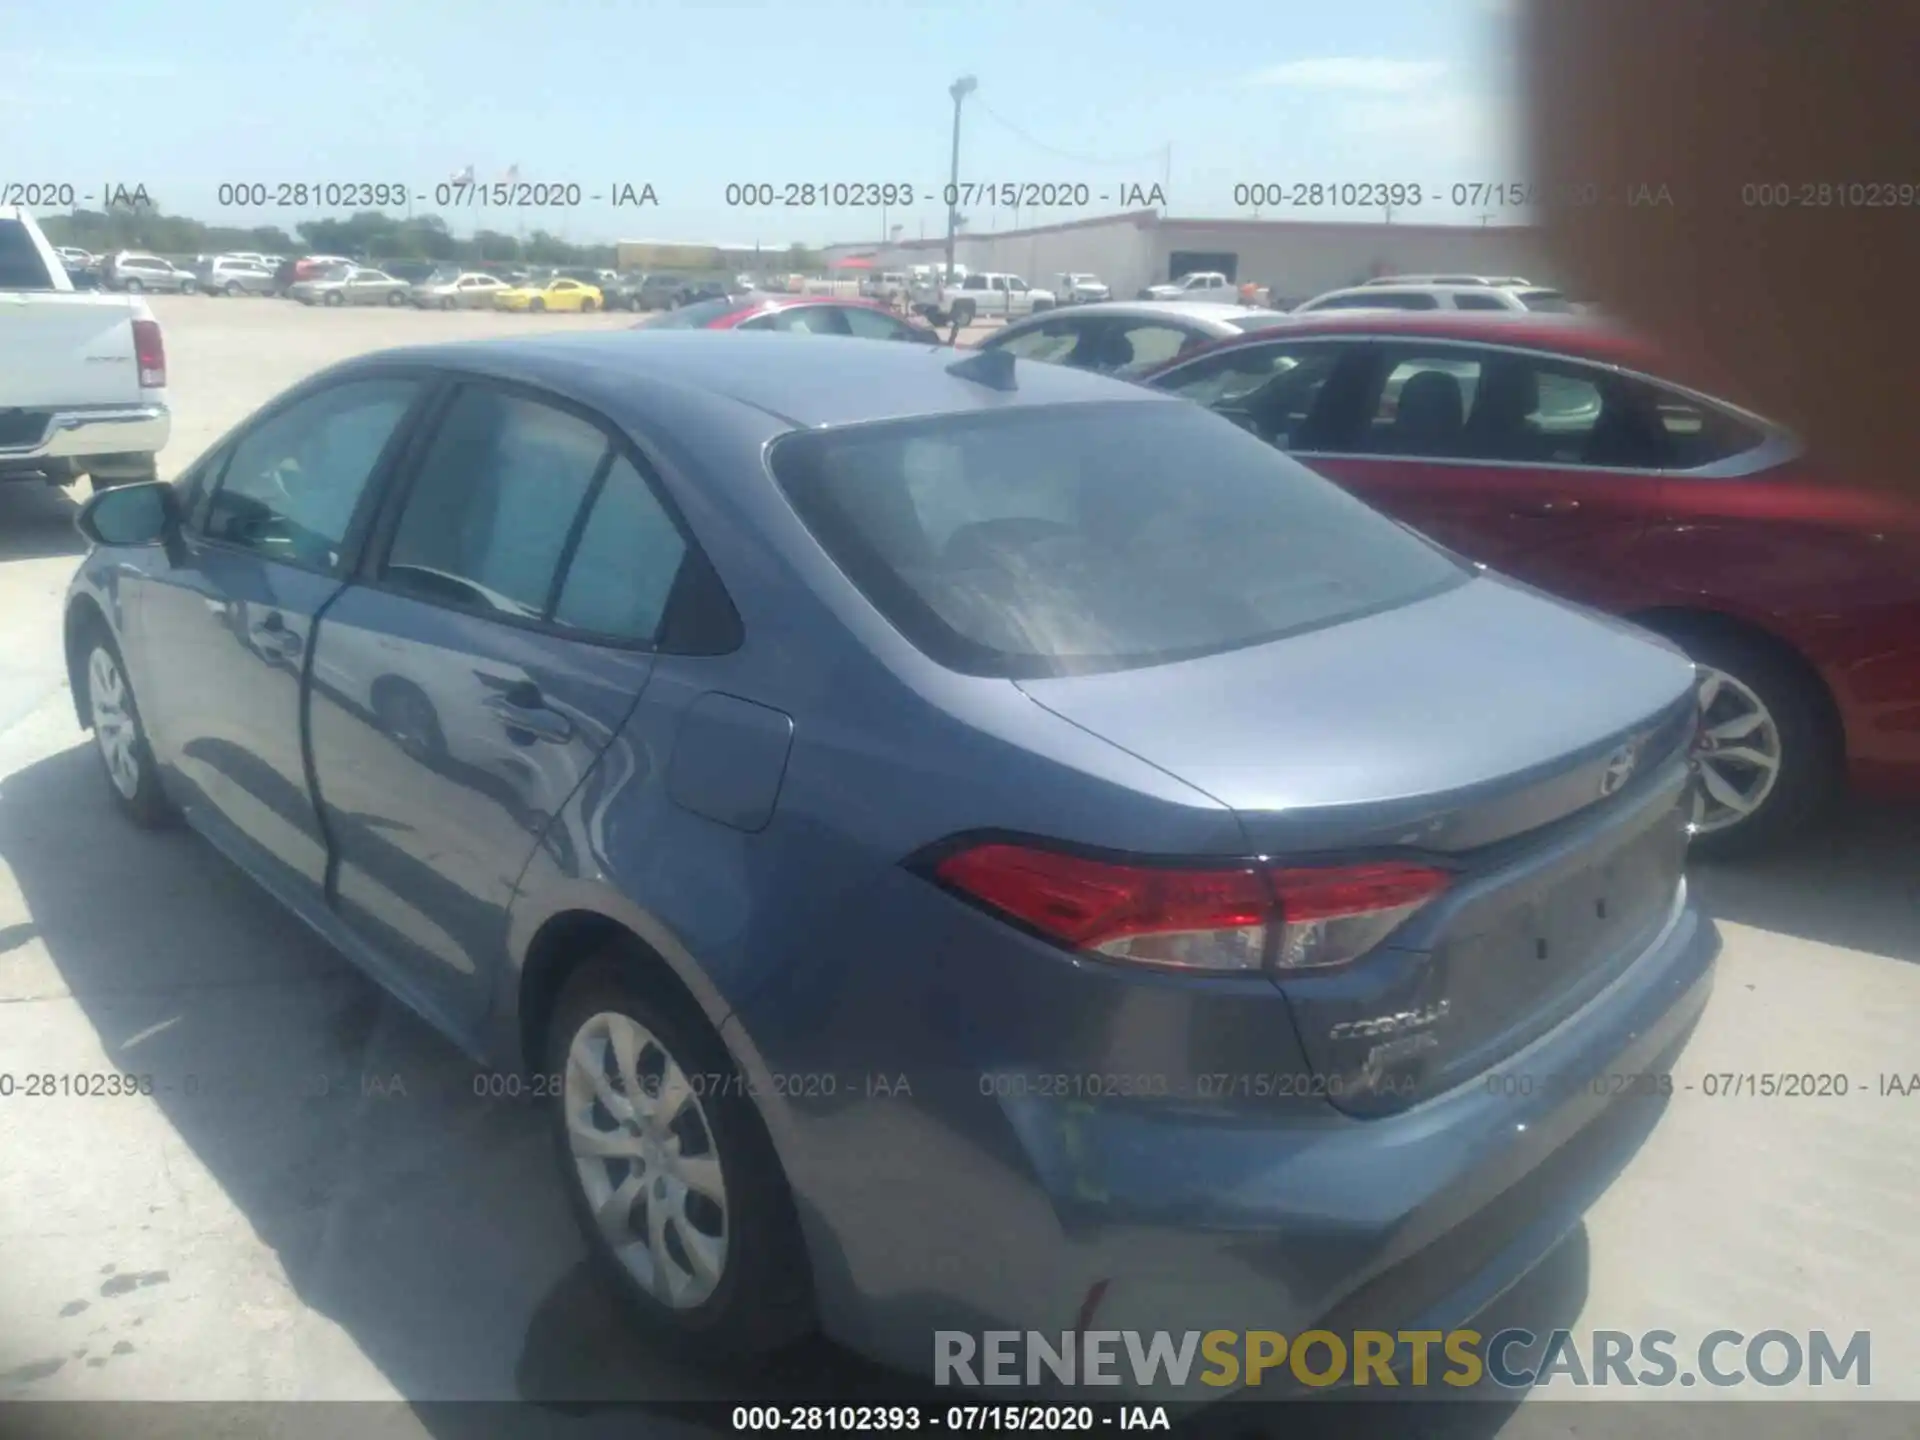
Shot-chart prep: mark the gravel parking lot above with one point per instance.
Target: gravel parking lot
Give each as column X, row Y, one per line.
column 315, row 1205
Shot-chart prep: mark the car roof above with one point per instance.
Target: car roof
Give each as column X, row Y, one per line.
column 1205, row 310
column 1578, row 337
column 789, row 377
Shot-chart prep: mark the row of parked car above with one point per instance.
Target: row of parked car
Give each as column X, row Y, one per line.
column 1166, row 778
column 341, row 280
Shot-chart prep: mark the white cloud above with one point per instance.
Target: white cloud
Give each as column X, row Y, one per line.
column 1375, row 75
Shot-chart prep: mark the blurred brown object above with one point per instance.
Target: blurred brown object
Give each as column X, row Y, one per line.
column 1811, row 311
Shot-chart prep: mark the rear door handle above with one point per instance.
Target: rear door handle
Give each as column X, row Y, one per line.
column 519, row 710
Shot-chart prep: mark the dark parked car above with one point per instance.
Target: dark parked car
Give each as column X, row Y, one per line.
column 911, row 734
column 1550, row 448
column 624, row 292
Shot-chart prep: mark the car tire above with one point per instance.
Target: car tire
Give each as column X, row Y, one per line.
column 587, row 307
column 761, row 1297
column 132, row 287
column 536, row 305
column 119, row 734
column 231, row 289
column 334, row 297
column 1761, row 701
column 963, row 313
column 449, row 303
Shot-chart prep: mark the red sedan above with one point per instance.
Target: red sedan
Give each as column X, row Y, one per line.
column 1550, row 449
column 814, row 314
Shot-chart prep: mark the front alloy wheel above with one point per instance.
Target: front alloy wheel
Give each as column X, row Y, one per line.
column 1736, row 754
column 647, row 1161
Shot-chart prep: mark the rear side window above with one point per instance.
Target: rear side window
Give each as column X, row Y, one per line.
column 625, row 564
column 1056, row 541
column 1470, row 300
column 1546, row 302
column 488, row 517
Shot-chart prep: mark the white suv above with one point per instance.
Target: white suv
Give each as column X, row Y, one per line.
column 1393, row 293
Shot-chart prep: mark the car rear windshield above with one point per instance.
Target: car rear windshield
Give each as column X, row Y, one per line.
column 1068, row 540
column 1547, row 302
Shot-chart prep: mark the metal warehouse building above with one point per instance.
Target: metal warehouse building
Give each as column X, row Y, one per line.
column 1295, row 259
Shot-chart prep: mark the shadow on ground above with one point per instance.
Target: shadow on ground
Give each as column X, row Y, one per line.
column 36, row 519
column 426, row 1222
column 1852, row 882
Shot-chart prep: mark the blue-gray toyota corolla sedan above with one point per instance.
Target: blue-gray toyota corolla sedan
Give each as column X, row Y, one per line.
column 966, row 843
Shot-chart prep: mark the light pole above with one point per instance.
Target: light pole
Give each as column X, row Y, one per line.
column 960, row 89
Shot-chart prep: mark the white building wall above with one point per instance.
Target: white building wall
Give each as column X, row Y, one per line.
column 1296, row 260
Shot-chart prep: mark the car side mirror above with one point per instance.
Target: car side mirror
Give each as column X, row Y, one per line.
column 141, row 514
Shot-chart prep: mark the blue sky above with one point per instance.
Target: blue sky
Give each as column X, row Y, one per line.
column 184, row 95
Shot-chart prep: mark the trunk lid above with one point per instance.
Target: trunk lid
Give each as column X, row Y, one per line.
column 66, row 348
column 1538, row 751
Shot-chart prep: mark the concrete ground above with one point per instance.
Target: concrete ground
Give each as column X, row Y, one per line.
column 268, row 1227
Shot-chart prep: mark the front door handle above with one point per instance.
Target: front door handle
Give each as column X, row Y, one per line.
column 534, row 719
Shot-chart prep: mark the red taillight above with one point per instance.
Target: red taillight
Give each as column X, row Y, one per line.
column 150, row 354
column 1186, row 918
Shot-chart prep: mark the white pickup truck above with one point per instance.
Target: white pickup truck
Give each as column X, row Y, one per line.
column 83, row 375
column 1199, row 285
column 983, row 293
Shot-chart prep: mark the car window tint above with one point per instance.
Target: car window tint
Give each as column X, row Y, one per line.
column 1071, row 539
column 295, row 479
column 625, row 565
column 1052, row 341
column 874, row 324
column 1699, row 434
column 810, row 320
column 494, row 500
column 1273, row 392
column 1468, row 300
column 1141, row 344
column 1517, row 409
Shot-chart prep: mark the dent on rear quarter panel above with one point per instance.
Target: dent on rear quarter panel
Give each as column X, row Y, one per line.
column 729, row 760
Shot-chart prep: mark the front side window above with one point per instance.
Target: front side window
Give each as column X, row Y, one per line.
column 1274, row 392
column 487, row 519
column 1065, row 540
column 295, row 479
column 875, row 324
column 1053, row 341
column 809, row 320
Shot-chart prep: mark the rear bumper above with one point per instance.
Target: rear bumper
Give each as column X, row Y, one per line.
column 974, row 1205
column 87, row 431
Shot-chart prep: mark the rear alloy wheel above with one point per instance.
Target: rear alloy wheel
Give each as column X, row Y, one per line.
column 1766, row 758
column 397, row 298
column 132, row 287
column 669, row 1170
column 536, row 305
column 334, row 297
column 120, row 738
column 587, row 307
column 231, row 289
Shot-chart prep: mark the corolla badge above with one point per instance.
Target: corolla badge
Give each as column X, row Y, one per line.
column 1619, row 769
column 1399, row 1023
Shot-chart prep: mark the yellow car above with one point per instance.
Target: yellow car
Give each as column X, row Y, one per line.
column 559, row 294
